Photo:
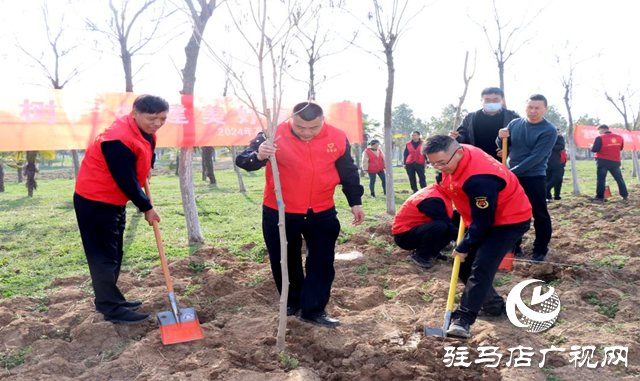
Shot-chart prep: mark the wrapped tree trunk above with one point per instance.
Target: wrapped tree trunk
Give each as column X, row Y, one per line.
column 76, row 162
column 30, row 170
column 19, row 171
column 237, row 170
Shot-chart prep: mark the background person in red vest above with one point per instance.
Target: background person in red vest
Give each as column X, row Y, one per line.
column 497, row 213
column 313, row 158
column 113, row 171
column 414, row 161
column 426, row 224
column 555, row 168
column 607, row 147
column 373, row 163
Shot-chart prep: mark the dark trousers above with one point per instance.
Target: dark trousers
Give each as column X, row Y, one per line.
column 412, row 170
column 102, row 231
column 609, row 166
column 320, row 231
column 554, row 180
column 372, row 182
column 535, row 187
column 427, row 239
column 480, row 267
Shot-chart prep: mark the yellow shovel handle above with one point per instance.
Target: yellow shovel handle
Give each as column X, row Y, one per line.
column 504, row 151
column 456, row 269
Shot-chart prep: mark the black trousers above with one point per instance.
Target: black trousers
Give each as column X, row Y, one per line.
column 102, row 231
column 609, row 166
column 320, row 231
column 554, row 180
column 480, row 267
column 536, row 189
column 414, row 169
column 372, row 182
column 427, row 239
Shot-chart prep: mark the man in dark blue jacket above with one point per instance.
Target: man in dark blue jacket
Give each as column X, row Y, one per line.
column 530, row 142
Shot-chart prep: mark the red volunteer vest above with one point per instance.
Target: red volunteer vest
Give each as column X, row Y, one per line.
column 513, row 204
column 611, row 145
column 409, row 216
column 308, row 173
column 376, row 163
column 94, row 180
column 414, row 154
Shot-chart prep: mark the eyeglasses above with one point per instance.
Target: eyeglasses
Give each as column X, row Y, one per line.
column 440, row 165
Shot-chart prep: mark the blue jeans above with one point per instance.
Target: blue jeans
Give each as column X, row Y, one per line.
column 604, row 166
column 372, row 182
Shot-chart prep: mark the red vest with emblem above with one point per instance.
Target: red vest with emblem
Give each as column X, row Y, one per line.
column 513, row 205
column 94, row 180
column 409, row 216
column 308, row 173
column 414, row 154
column 376, row 163
column 611, row 144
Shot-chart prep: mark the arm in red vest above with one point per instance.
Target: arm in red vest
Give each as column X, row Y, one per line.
column 482, row 191
column 349, row 177
column 597, row 145
column 247, row 159
column 121, row 162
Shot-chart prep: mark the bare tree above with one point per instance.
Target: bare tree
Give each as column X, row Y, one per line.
column 621, row 103
column 506, row 41
column 456, row 120
column 119, row 30
column 50, row 65
column 389, row 27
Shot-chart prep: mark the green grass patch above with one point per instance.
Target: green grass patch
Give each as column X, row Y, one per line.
column 608, row 309
column 611, row 261
column 390, row 294
column 11, row 358
column 501, row 281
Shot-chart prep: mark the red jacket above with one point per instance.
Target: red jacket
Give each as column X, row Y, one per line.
column 513, row 205
column 308, row 173
column 94, row 180
column 409, row 216
column 415, row 156
column 376, row 163
column 611, row 146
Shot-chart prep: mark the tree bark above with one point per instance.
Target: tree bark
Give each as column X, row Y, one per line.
column 1, row 177
column 237, row 170
column 207, row 165
column 572, row 145
column 19, row 170
column 388, row 141
column 126, row 64
column 76, row 162
column 189, row 206
column 30, row 170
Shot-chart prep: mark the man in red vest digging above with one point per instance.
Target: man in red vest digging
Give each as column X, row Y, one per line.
column 414, row 161
column 313, row 158
column 607, row 147
column 113, row 171
column 495, row 210
column 424, row 224
column 373, row 163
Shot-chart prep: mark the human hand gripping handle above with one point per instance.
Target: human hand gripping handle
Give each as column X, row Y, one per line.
column 150, row 215
column 265, row 150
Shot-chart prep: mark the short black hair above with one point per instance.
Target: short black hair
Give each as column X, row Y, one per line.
column 150, row 104
column 374, row 141
column 603, row 127
column 308, row 111
column 538, row 97
column 415, row 132
column 492, row 90
column 438, row 143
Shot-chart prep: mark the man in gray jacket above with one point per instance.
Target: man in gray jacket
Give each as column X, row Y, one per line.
column 480, row 128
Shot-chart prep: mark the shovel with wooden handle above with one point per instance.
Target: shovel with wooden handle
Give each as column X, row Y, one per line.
column 442, row 332
column 507, row 261
column 180, row 324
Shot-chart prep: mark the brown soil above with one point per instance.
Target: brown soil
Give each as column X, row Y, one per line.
column 380, row 338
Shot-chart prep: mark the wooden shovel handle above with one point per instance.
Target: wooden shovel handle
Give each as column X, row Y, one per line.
column 504, row 151
column 156, row 231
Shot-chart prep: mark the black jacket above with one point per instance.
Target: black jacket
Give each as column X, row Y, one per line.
column 554, row 159
column 466, row 127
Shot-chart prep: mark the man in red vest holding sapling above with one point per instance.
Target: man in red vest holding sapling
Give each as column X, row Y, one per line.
column 495, row 210
column 414, row 161
column 373, row 163
column 607, row 147
column 424, row 224
column 113, row 171
column 313, row 158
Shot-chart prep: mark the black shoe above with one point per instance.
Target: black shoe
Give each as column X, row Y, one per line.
column 133, row 306
column 321, row 321
column 490, row 315
column 519, row 253
column 373, row 195
column 293, row 311
column 460, row 328
column 420, row 261
column 441, row 257
column 597, row 200
column 128, row 318
column 558, row 198
column 538, row 257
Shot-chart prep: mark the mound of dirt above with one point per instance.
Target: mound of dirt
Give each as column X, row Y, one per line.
column 382, row 300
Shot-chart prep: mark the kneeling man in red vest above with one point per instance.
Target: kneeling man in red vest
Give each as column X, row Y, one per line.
column 496, row 212
column 313, row 158
column 424, row 224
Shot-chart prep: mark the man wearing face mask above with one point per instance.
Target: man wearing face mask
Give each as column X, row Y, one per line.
column 480, row 128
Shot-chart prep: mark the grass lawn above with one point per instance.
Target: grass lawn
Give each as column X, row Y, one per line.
column 39, row 238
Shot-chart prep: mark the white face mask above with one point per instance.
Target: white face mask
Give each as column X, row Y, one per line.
column 492, row 107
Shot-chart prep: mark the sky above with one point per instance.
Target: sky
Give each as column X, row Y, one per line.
column 428, row 59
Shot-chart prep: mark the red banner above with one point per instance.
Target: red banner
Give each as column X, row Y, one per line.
column 585, row 135
column 58, row 120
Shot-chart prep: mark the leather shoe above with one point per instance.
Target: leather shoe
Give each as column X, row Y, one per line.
column 493, row 315
column 441, row 257
column 134, row 305
column 420, row 261
column 538, row 257
column 322, row 321
column 293, row 311
column 127, row 318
